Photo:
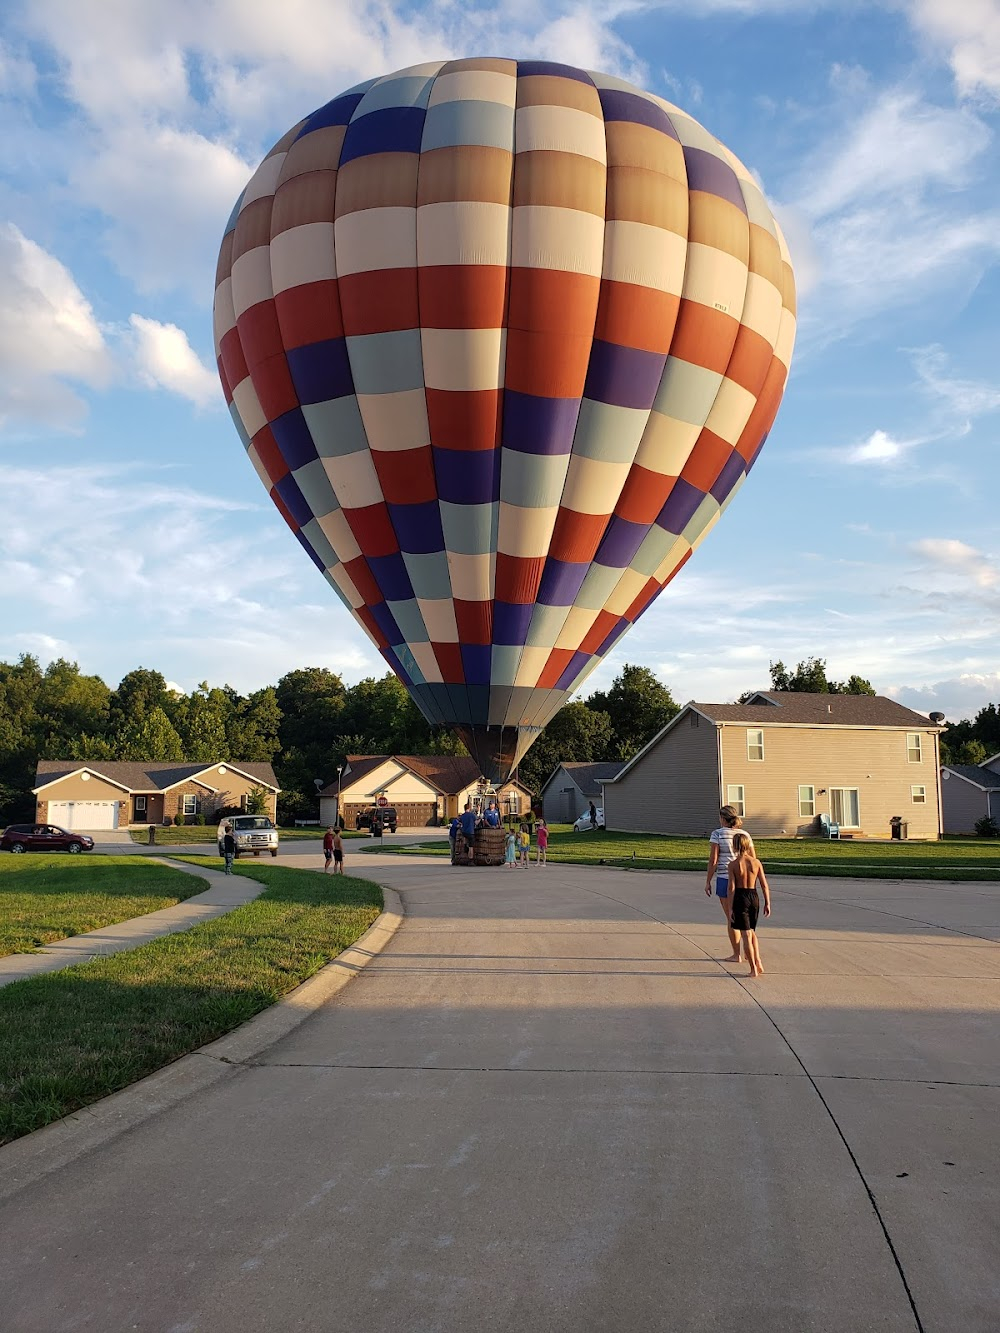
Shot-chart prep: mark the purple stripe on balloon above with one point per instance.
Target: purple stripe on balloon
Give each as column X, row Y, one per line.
column 294, row 501
column 539, row 425
column 576, row 664
column 619, row 105
column 389, row 572
column 418, row 527
column 526, row 68
column 561, row 581
column 710, row 174
column 756, row 453
column 680, row 507
column 623, row 376
column 467, row 476
column 729, row 476
column 306, row 546
column 477, row 661
column 294, row 439
column 337, row 112
column 620, row 542
column 510, row 622
column 391, row 129
column 320, row 371
column 386, row 622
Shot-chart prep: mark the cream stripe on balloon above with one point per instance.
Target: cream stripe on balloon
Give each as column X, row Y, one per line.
column 476, row 85
column 469, row 232
column 264, row 181
column 471, row 576
column 644, row 255
column 339, row 534
column 248, row 406
column 557, row 238
column 252, row 279
column 354, row 480
column 375, row 238
column 463, row 360
column 395, row 421
column 439, row 618
column 559, row 129
column 303, row 254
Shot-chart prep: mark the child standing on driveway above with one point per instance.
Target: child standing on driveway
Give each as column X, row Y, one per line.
column 745, row 873
column 338, row 853
column 327, row 850
column 510, row 850
column 524, row 842
column 542, row 835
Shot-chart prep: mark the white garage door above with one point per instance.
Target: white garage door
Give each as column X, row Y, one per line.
column 84, row 814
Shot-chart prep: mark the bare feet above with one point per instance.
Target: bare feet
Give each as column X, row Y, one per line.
column 752, row 972
column 760, row 969
column 734, row 958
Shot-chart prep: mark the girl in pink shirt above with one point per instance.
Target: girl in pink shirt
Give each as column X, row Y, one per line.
column 543, row 843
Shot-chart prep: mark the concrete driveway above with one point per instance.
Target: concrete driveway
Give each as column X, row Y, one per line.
column 546, row 1106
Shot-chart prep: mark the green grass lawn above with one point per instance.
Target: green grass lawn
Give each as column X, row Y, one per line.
column 189, row 834
column 77, row 1035
column 950, row 858
column 45, row 898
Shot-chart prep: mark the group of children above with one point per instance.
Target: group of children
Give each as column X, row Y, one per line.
column 737, row 873
column 518, row 844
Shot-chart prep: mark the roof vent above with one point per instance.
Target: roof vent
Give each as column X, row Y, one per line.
column 829, row 708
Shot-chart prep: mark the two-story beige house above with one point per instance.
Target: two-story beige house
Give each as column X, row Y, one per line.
column 785, row 761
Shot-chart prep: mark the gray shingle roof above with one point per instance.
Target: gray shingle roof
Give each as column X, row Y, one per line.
column 150, row 777
column 588, row 776
column 449, row 773
column 982, row 777
column 827, row 710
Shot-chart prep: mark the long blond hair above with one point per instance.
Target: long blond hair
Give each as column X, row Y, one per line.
column 729, row 817
column 742, row 845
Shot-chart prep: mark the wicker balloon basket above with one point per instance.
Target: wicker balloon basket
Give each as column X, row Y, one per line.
column 489, row 846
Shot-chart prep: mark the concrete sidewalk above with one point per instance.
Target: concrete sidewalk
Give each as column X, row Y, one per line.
column 547, row 1107
column 223, row 894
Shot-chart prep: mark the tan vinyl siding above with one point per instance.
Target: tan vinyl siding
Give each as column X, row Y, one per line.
column 77, row 788
column 962, row 804
column 874, row 761
column 674, row 788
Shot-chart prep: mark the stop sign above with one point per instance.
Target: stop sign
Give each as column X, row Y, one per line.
column 382, row 802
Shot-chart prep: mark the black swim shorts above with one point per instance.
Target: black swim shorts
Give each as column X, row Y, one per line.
column 746, row 909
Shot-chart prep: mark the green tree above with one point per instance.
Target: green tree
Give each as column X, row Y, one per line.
column 138, row 693
column 151, row 737
column 70, row 705
column 969, row 752
column 578, row 733
column 258, row 801
column 253, row 728
column 639, row 705
column 809, row 677
column 201, row 719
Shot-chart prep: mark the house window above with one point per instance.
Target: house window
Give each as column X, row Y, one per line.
column 845, row 806
column 913, row 752
column 189, row 805
column 755, row 745
column 734, row 797
column 140, row 805
column 918, row 795
column 807, row 802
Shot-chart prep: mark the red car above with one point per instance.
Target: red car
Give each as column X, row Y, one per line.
column 43, row 838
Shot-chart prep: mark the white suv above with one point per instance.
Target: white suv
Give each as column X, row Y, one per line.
column 253, row 833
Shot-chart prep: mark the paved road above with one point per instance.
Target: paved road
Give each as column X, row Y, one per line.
column 546, row 1106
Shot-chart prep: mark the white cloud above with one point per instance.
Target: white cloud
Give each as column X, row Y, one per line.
column 953, row 556
column 165, row 359
column 957, row 697
column 961, row 398
column 878, row 448
column 967, row 34
column 49, row 337
column 167, row 193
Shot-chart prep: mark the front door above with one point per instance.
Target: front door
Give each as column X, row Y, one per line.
column 845, row 807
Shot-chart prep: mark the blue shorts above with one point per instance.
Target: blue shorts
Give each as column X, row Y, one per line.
column 722, row 886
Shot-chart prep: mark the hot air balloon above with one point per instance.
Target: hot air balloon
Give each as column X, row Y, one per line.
column 502, row 340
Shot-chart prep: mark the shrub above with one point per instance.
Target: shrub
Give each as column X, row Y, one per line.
column 199, row 818
column 987, row 828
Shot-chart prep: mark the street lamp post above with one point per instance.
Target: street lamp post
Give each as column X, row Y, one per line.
column 340, row 769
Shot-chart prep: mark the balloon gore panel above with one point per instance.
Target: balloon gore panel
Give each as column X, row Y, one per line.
column 502, row 339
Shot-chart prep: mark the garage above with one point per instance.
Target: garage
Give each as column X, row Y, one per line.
column 83, row 814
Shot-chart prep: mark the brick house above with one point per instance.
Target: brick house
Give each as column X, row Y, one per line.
column 783, row 760
column 99, row 794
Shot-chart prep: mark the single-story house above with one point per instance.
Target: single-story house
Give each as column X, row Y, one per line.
column 784, row 759
column 567, row 794
column 425, row 789
column 103, row 794
column 970, row 792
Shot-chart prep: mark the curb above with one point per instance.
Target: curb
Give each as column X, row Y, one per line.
column 27, row 1160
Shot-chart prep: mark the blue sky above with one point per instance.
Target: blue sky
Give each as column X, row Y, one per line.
column 134, row 529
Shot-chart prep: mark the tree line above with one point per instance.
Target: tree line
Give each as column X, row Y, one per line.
column 308, row 723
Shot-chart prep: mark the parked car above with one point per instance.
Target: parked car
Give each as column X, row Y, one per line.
column 43, row 838
column 583, row 824
column 377, row 819
column 253, row 833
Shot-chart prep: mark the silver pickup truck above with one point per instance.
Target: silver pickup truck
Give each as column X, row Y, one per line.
column 253, row 833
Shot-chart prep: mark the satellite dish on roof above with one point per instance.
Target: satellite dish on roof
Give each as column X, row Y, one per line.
column 937, row 718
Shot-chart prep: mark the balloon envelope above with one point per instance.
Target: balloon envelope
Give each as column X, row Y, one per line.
column 502, row 339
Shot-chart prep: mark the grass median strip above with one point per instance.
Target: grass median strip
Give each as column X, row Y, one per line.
column 47, row 898
column 71, row 1037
